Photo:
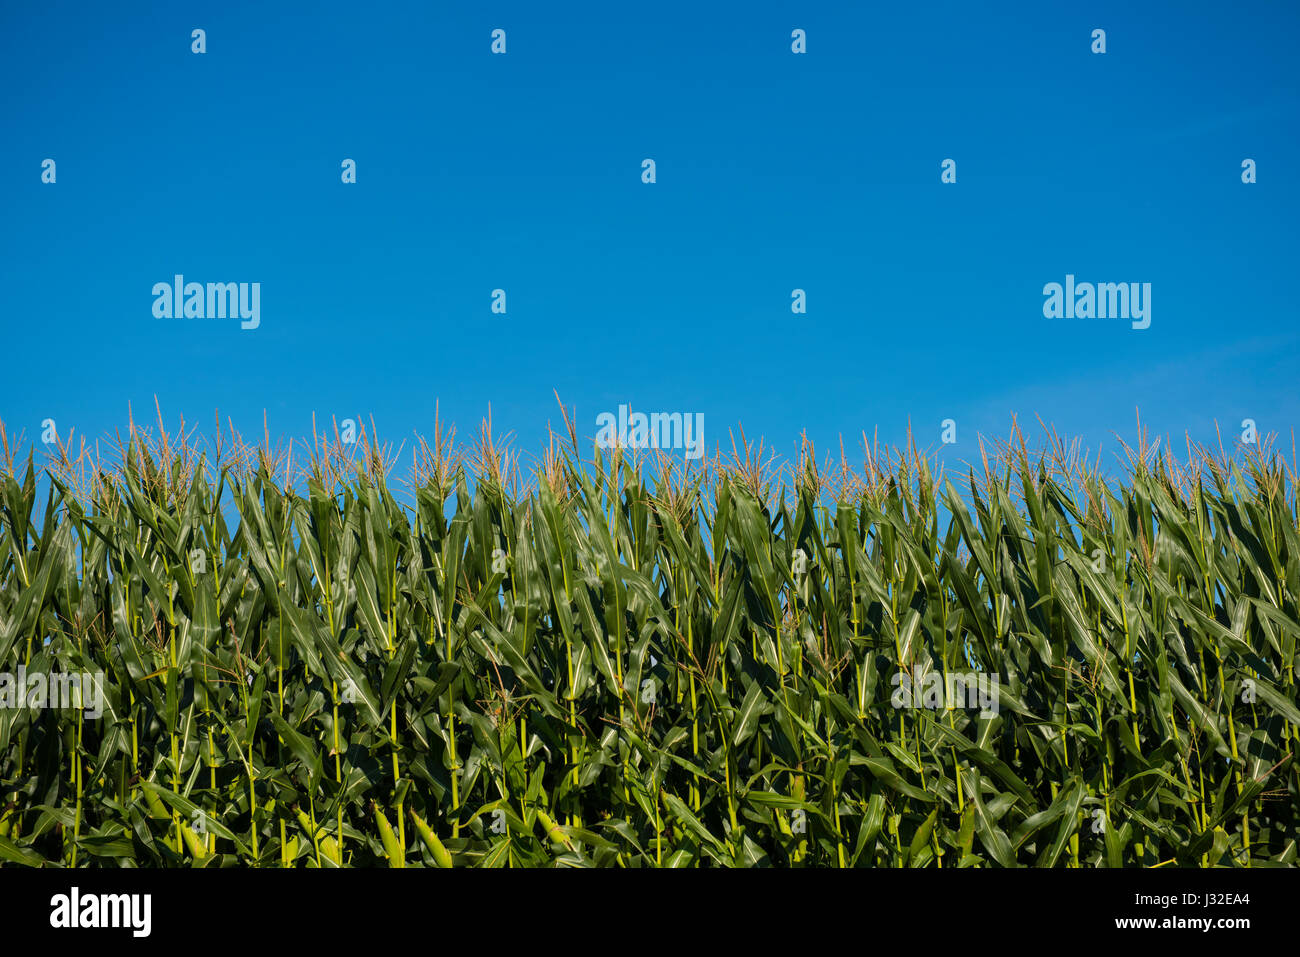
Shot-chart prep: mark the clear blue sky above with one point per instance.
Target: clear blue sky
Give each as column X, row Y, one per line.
column 775, row 171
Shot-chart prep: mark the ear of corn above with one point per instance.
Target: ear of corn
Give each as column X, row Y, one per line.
column 614, row 667
column 441, row 856
column 393, row 850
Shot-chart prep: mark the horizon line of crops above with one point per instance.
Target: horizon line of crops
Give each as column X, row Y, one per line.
column 615, row 668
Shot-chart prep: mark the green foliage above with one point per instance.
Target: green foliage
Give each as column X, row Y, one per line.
column 606, row 670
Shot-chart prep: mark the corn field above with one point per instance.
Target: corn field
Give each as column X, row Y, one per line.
column 616, row 661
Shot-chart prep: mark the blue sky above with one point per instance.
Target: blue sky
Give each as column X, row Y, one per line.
column 775, row 171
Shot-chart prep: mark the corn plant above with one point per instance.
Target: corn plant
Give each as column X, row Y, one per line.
column 626, row 663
